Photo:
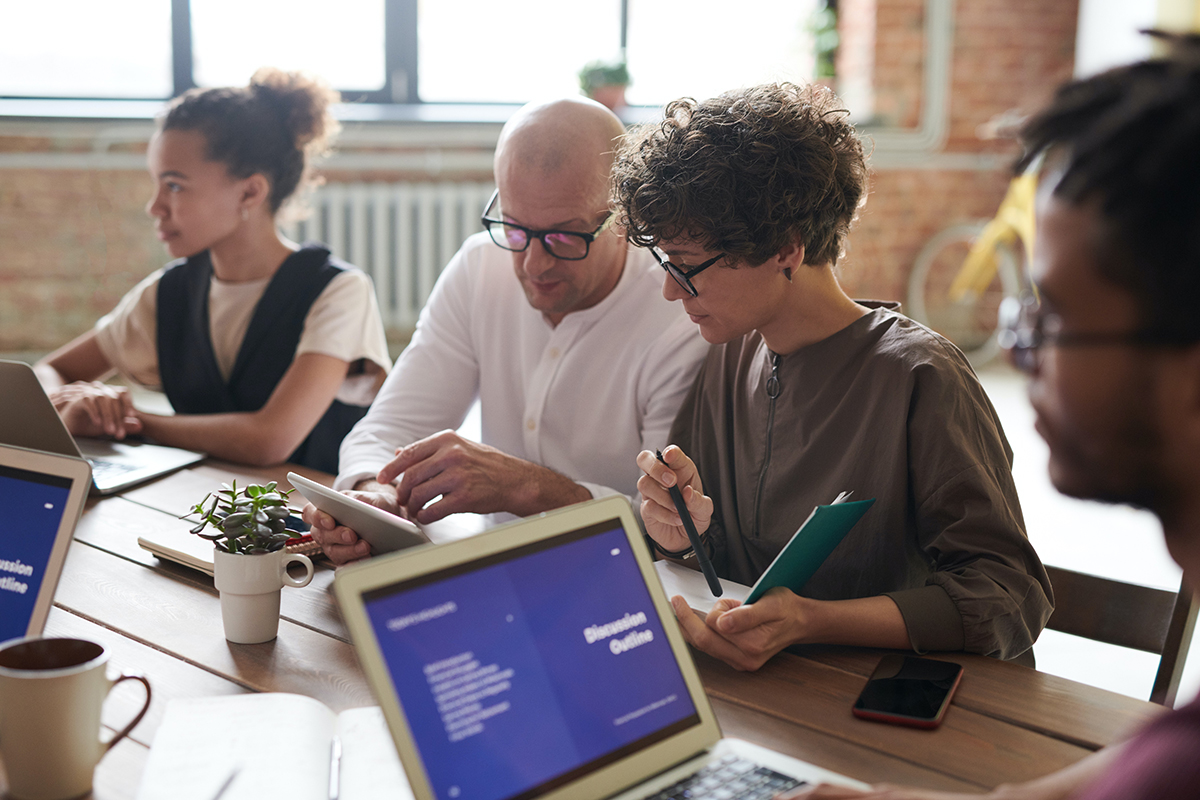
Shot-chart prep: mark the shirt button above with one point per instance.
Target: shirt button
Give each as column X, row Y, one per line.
column 554, row 352
column 530, row 424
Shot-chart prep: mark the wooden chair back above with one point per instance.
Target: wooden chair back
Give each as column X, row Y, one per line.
column 1125, row 614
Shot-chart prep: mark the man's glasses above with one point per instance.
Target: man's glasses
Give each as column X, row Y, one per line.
column 1025, row 328
column 682, row 273
column 563, row 245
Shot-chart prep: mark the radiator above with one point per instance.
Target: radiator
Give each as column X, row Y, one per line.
column 401, row 234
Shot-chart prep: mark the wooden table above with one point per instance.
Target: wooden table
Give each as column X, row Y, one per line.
column 1007, row 723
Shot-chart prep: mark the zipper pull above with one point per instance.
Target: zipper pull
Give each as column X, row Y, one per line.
column 773, row 381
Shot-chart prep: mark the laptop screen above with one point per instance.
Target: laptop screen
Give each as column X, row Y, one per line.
column 525, row 670
column 32, row 505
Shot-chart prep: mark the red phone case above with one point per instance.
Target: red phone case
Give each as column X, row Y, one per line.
column 914, row 722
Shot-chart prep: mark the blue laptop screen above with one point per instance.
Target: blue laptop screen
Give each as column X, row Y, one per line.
column 31, row 509
column 523, row 671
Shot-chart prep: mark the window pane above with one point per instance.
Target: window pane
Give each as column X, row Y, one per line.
column 511, row 52
column 85, row 48
column 700, row 48
column 342, row 42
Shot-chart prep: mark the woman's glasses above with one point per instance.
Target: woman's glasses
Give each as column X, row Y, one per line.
column 682, row 273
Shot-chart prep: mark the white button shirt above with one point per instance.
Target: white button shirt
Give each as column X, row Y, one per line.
column 582, row 398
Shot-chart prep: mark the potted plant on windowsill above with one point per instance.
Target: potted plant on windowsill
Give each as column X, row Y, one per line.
column 249, row 561
column 605, row 82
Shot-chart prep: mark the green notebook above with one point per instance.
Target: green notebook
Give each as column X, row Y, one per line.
column 824, row 530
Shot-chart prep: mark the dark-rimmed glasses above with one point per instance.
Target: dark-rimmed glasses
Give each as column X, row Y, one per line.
column 682, row 273
column 563, row 245
column 1025, row 327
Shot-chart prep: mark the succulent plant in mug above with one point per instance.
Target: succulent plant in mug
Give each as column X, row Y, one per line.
column 250, row 520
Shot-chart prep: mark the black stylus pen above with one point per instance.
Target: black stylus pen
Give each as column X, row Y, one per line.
column 706, row 566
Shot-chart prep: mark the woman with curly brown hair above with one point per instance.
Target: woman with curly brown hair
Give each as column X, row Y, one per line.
column 746, row 200
column 267, row 351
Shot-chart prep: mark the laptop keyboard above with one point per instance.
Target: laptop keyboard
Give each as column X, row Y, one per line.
column 727, row 779
column 108, row 470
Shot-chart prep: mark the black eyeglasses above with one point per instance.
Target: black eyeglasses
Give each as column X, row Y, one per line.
column 1025, row 328
column 681, row 273
column 564, row 245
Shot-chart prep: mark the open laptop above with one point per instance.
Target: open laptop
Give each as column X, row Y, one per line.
column 28, row 419
column 542, row 660
column 41, row 498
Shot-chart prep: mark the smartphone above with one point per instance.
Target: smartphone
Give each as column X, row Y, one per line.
column 906, row 690
column 295, row 524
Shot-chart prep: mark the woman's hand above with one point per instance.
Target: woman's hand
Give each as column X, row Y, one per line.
column 658, row 510
column 745, row 637
column 96, row 409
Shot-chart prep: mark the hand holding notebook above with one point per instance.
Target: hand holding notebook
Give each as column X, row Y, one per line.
column 795, row 564
column 810, row 545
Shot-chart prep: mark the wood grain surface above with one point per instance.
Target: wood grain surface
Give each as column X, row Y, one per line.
column 1007, row 722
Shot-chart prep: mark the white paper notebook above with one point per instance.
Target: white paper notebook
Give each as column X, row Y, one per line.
column 690, row 584
column 274, row 745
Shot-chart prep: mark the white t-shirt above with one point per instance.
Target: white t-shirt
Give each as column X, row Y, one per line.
column 343, row 322
column 582, row 398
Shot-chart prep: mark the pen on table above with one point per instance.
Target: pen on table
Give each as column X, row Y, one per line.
column 335, row 769
column 706, row 566
column 225, row 786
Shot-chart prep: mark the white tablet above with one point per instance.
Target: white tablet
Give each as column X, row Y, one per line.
column 383, row 531
column 41, row 498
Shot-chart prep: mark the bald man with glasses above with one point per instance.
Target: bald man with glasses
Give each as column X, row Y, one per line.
column 579, row 363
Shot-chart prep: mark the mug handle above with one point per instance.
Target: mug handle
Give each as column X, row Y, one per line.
column 125, row 731
column 297, row 558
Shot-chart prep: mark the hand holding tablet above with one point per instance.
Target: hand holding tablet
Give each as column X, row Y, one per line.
column 385, row 532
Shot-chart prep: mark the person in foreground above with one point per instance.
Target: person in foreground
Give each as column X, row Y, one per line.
column 807, row 393
column 267, row 351
column 1113, row 354
column 550, row 320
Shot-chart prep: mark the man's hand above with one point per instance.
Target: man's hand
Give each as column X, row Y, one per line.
column 475, row 478
column 658, row 509
column 96, row 409
column 341, row 544
column 744, row 637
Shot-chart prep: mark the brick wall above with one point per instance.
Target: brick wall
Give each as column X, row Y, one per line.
column 1008, row 54
column 1008, row 57
column 74, row 241
column 899, row 61
column 904, row 209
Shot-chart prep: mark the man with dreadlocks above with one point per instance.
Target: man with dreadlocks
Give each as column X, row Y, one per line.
column 1112, row 347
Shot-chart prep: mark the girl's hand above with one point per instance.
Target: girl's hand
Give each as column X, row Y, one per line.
column 658, row 510
column 96, row 409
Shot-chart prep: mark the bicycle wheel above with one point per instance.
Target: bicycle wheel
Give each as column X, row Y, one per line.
column 971, row 321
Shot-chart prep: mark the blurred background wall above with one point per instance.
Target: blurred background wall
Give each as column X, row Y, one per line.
column 936, row 86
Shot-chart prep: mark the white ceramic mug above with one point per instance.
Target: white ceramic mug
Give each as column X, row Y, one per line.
column 249, row 587
column 51, row 691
